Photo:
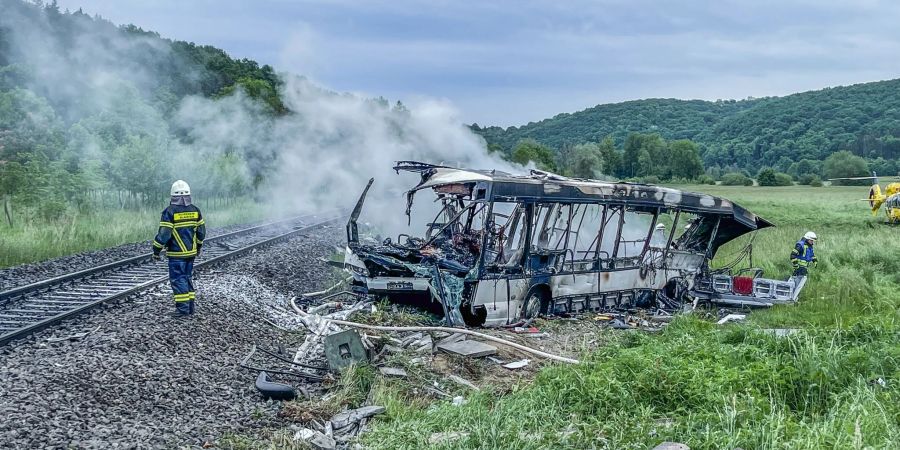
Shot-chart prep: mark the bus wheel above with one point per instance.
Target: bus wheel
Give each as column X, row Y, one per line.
column 534, row 305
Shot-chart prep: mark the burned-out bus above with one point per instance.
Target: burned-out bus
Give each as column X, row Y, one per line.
column 505, row 248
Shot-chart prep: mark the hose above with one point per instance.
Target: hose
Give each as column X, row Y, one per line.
column 313, row 294
column 461, row 331
column 446, row 330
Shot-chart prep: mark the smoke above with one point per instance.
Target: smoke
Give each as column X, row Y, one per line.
column 119, row 101
column 331, row 144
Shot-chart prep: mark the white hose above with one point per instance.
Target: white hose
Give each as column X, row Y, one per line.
column 313, row 294
column 446, row 330
column 462, row 331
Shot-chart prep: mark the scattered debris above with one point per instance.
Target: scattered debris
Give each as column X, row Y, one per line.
column 618, row 324
column 459, row 400
column 352, row 416
column 471, row 349
column 517, row 364
column 455, row 337
column 462, row 381
column 393, row 372
column 271, row 390
column 343, row 349
column 732, row 318
column 315, row 439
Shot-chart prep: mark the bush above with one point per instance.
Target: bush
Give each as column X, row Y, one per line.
column 816, row 182
column 805, row 179
column 736, row 179
column 705, row 179
column 783, row 179
column 769, row 177
column 650, row 179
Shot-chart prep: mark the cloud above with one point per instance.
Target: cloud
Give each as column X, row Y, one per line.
column 478, row 54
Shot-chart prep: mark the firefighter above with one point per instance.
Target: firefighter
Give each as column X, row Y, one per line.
column 181, row 233
column 803, row 254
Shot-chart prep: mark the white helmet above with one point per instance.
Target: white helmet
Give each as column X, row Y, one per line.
column 180, row 187
column 660, row 226
column 810, row 236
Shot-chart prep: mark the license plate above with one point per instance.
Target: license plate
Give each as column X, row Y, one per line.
column 400, row 285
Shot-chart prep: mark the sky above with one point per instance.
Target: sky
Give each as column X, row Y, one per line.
column 512, row 62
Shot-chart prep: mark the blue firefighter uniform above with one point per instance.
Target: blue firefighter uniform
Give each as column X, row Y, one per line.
column 802, row 256
column 181, row 233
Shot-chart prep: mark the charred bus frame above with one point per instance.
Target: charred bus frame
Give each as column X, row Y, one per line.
column 506, row 248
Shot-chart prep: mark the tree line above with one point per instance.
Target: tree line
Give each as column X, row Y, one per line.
column 793, row 134
column 646, row 157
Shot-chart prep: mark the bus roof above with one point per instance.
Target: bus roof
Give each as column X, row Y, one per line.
column 540, row 186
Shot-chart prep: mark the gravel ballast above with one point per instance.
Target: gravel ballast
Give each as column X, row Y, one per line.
column 145, row 378
column 30, row 273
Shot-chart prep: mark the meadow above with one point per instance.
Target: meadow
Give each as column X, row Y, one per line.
column 833, row 384
column 37, row 239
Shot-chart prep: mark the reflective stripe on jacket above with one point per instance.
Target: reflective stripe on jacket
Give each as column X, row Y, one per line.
column 802, row 254
column 181, row 230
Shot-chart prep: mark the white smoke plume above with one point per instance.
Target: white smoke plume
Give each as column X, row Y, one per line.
column 331, row 144
column 110, row 91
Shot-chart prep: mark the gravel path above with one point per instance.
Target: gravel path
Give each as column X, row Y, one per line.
column 143, row 378
column 30, row 273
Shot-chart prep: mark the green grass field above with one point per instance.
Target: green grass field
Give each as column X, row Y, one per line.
column 38, row 240
column 835, row 384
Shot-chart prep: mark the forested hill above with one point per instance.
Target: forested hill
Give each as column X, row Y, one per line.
column 90, row 107
column 746, row 134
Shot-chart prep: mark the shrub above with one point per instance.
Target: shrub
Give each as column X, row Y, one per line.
column 769, row 177
column 806, row 178
column 783, row 179
column 816, row 182
column 705, row 179
column 736, row 179
column 650, row 179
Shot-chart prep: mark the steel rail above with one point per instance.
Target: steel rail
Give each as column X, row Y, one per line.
column 86, row 301
column 19, row 291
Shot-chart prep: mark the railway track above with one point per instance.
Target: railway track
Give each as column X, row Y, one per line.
column 33, row 307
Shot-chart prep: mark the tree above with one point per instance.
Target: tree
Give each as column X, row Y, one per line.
column 611, row 158
column 844, row 164
column 766, row 177
column 530, row 150
column 684, row 159
column 587, row 161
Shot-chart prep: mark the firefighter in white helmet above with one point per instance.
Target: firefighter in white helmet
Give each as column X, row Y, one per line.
column 803, row 254
column 181, row 233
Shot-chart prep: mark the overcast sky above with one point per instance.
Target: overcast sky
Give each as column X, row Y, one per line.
column 511, row 62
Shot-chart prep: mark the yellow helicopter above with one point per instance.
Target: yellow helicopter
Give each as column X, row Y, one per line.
column 890, row 199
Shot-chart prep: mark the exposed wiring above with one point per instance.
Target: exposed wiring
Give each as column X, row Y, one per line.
column 244, row 364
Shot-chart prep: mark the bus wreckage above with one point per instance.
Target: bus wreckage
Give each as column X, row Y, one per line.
column 505, row 248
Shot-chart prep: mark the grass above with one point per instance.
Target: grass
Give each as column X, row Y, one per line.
column 834, row 384
column 38, row 240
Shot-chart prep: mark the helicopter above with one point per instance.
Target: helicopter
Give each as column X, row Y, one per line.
column 890, row 199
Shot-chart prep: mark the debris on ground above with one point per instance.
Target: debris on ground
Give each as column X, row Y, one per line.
column 393, row 372
column 471, row 349
column 517, row 364
column 315, row 439
column 732, row 318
